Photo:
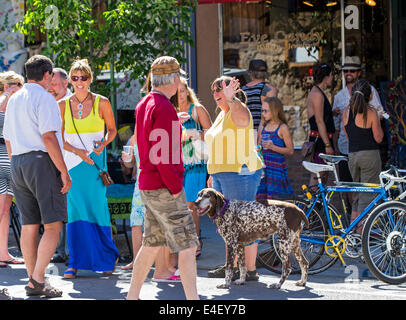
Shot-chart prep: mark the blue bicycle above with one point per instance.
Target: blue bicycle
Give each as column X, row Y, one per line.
column 327, row 239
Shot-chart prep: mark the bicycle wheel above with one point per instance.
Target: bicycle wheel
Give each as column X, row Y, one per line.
column 268, row 254
column 384, row 242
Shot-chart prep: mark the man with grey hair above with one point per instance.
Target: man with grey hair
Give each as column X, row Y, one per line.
column 168, row 221
column 59, row 85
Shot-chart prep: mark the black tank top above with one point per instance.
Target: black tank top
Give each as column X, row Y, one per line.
column 327, row 116
column 359, row 138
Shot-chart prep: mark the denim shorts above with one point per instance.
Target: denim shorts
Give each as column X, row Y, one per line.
column 238, row 186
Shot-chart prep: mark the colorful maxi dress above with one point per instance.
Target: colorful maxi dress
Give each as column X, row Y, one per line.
column 90, row 242
column 275, row 183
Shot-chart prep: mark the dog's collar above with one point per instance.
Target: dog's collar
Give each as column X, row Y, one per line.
column 217, row 215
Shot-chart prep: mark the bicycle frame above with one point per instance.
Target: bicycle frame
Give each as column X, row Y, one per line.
column 324, row 190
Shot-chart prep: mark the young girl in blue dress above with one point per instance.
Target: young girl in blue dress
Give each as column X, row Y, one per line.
column 276, row 142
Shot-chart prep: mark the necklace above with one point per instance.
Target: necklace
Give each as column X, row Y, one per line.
column 80, row 105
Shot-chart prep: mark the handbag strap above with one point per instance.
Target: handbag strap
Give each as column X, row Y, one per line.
column 77, row 132
column 196, row 118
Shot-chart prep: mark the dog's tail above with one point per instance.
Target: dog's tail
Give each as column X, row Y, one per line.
column 304, row 218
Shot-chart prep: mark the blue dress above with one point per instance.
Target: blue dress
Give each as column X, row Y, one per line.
column 195, row 175
column 275, row 183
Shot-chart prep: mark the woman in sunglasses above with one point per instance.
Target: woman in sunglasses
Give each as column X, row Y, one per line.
column 10, row 82
column 84, row 117
column 234, row 165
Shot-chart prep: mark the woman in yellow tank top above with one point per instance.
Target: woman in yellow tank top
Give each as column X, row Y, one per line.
column 84, row 118
column 234, row 166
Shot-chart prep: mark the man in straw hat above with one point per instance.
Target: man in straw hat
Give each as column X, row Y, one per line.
column 352, row 70
column 168, row 221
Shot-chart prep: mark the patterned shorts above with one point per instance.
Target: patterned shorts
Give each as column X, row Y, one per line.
column 168, row 221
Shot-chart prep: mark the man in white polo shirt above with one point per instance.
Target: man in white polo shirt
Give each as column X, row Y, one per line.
column 32, row 132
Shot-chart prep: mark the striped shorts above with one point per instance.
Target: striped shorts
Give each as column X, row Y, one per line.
column 5, row 171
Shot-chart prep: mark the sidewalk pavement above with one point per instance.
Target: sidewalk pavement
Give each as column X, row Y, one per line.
column 96, row 286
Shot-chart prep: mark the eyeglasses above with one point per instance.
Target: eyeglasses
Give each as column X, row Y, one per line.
column 264, row 111
column 218, row 89
column 76, row 78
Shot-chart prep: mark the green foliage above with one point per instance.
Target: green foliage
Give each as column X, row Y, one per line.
column 132, row 33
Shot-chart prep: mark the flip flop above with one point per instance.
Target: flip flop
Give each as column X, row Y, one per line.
column 13, row 261
column 3, row 265
column 172, row 278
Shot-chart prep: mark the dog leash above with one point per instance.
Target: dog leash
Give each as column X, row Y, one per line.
column 227, row 202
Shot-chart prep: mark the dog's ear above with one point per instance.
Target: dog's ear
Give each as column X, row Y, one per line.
column 220, row 200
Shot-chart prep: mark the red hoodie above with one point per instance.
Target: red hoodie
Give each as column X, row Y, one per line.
column 159, row 144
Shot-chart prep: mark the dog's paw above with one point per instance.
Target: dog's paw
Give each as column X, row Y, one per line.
column 223, row 286
column 239, row 282
column 274, row 286
column 301, row 283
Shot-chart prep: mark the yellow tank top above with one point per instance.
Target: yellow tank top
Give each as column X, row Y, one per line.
column 92, row 123
column 230, row 146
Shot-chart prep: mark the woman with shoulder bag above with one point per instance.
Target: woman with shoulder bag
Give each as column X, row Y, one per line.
column 84, row 117
column 195, row 175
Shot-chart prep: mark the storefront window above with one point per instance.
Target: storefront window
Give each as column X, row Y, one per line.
column 291, row 36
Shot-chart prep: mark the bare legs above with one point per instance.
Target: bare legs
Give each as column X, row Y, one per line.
column 37, row 255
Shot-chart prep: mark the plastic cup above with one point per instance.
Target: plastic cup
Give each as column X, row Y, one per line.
column 128, row 150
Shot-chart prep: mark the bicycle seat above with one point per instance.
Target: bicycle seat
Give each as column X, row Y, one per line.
column 332, row 159
column 316, row 168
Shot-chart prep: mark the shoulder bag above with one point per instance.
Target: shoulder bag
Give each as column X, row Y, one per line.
column 200, row 147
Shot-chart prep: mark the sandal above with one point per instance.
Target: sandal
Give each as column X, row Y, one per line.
column 199, row 248
column 42, row 289
column 70, row 273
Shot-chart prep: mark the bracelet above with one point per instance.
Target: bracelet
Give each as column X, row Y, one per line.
column 232, row 100
column 327, row 145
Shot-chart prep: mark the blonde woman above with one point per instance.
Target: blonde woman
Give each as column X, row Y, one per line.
column 195, row 175
column 10, row 82
column 84, row 117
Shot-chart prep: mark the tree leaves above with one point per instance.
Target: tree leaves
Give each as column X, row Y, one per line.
column 132, row 33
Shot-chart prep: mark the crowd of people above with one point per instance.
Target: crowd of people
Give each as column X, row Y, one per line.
column 53, row 154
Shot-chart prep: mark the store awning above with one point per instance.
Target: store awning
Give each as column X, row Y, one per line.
column 222, row 1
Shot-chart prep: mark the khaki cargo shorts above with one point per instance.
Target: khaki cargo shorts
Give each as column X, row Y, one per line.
column 168, row 221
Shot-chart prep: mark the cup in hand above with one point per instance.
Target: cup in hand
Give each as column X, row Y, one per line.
column 127, row 153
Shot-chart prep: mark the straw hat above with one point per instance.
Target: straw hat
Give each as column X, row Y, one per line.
column 352, row 63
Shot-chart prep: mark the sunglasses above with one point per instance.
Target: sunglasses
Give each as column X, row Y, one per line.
column 15, row 84
column 218, row 89
column 265, row 111
column 350, row 71
column 76, row 78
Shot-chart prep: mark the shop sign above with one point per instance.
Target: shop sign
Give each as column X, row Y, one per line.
column 292, row 40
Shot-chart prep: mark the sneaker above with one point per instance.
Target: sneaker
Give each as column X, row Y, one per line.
column 219, row 272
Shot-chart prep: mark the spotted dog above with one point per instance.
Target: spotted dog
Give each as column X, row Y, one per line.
column 242, row 222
